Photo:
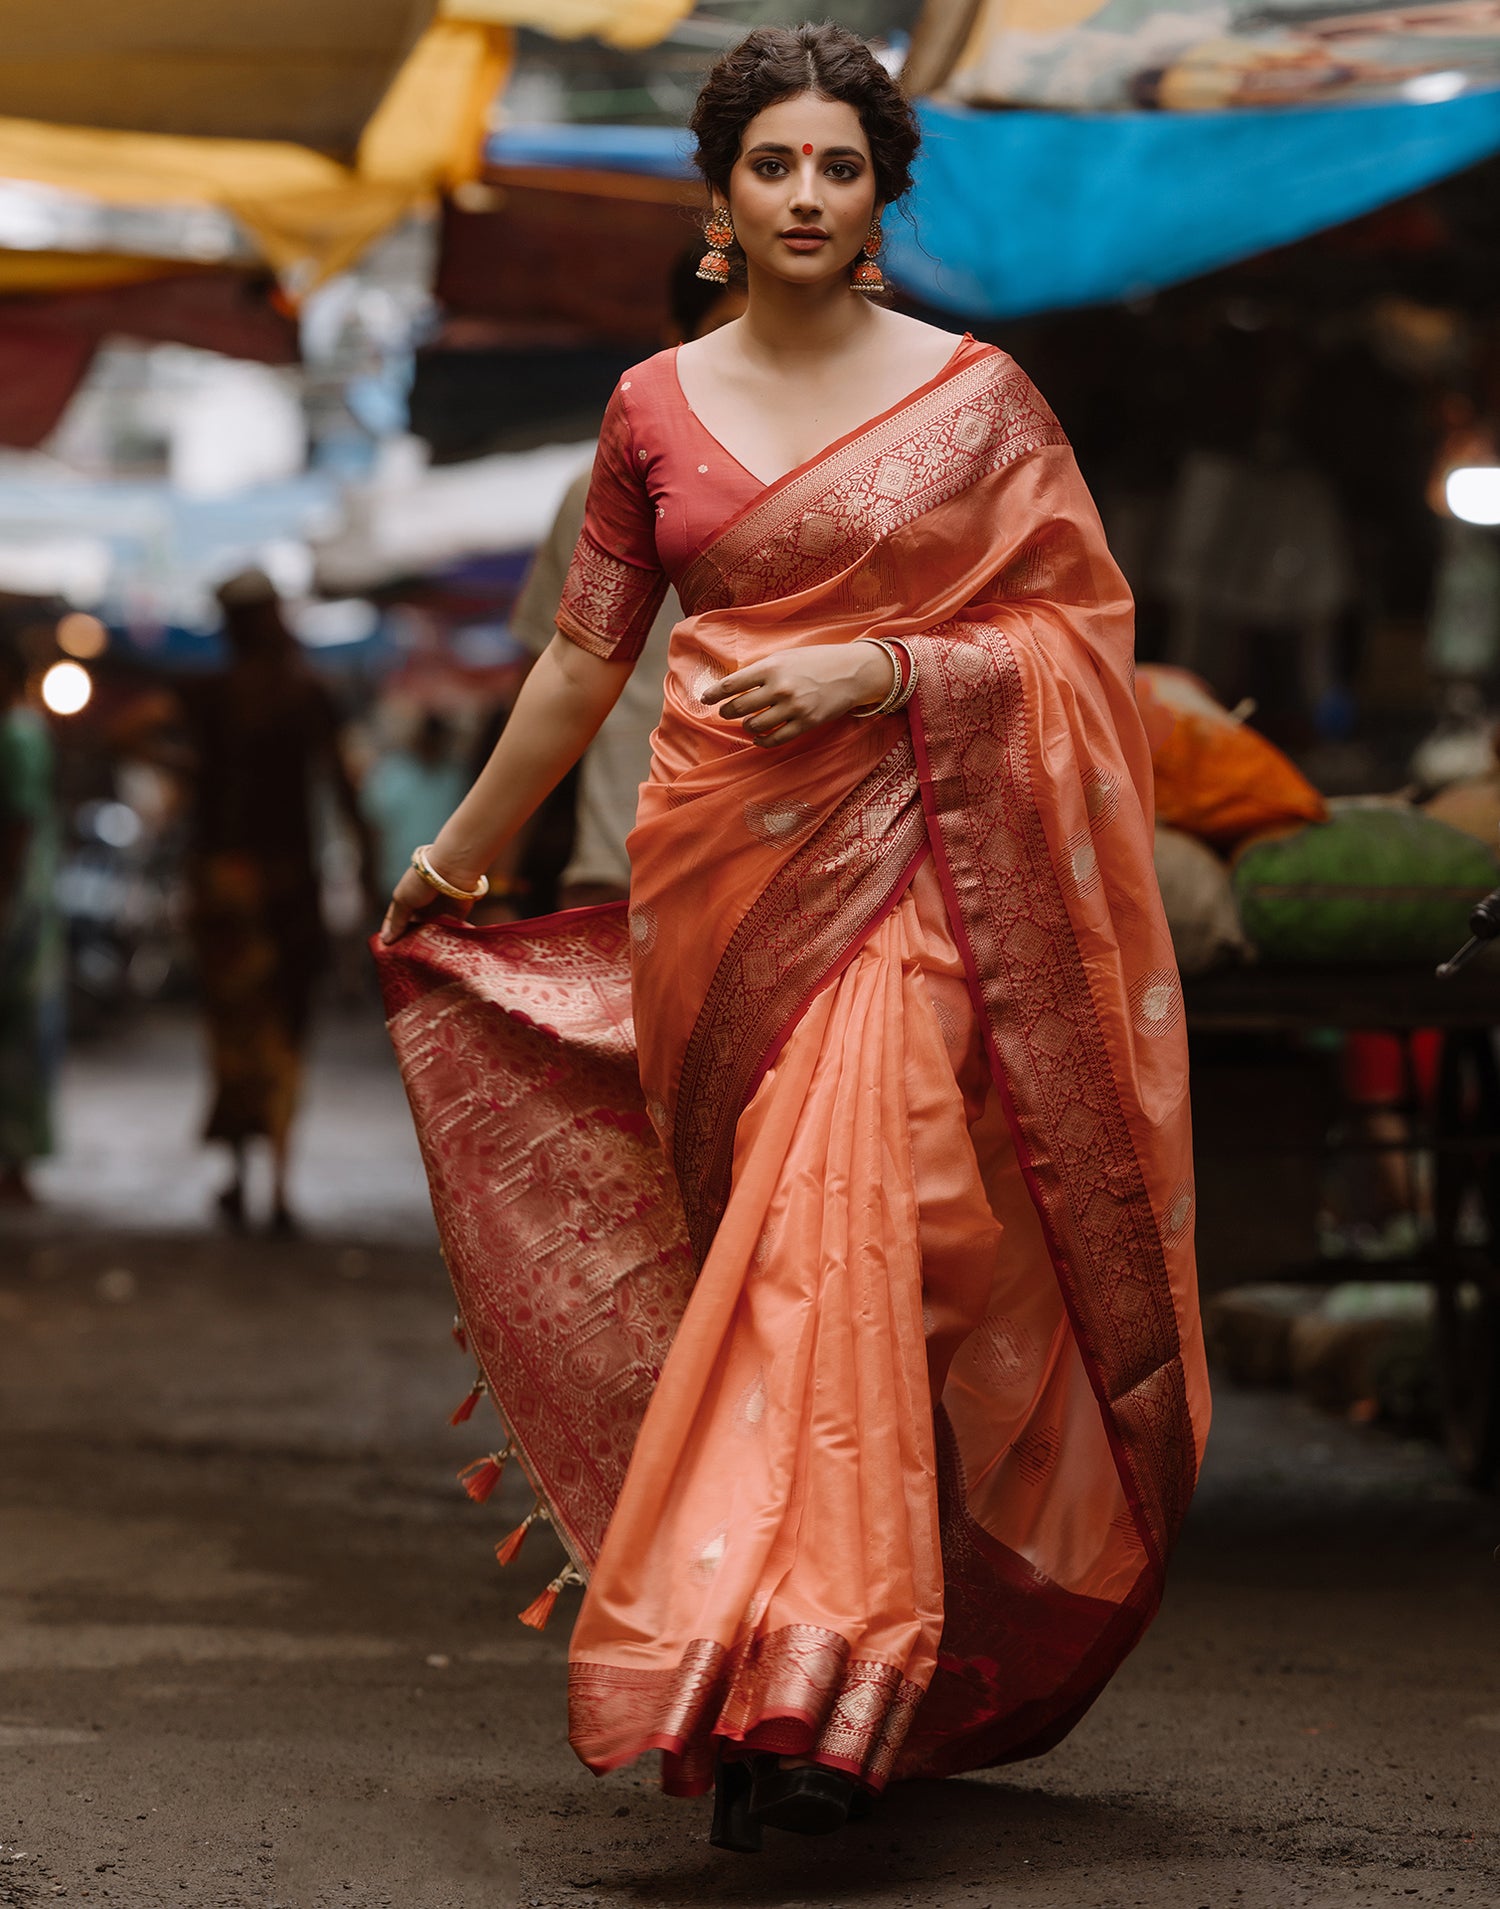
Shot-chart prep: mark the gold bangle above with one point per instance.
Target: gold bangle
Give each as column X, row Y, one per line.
column 432, row 878
column 888, row 701
column 912, row 672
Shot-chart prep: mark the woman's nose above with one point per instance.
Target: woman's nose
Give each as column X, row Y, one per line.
column 806, row 197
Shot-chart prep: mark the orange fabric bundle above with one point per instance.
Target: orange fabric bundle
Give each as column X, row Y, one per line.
column 1215, row 777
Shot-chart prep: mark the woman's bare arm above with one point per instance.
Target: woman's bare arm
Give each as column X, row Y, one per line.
column 563, row 701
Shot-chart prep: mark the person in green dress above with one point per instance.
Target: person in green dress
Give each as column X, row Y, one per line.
column 32, row 951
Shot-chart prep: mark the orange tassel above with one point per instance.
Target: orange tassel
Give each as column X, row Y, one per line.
column 466, row 1410
column 481, row 1478
column 536, row 1614
column 460, row 1337
column 509, row 1549
column 539, row 1610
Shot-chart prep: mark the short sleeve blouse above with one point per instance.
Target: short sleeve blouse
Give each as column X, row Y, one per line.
column 662, row 488
column 615, row 583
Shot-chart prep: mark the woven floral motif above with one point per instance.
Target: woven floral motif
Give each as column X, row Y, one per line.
column 608, row 606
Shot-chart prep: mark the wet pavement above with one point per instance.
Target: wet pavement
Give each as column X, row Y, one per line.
column 255, row 1653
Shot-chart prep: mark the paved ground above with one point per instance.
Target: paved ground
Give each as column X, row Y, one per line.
column 254, row 1652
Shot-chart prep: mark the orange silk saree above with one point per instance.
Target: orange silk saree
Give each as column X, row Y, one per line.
column 823, row 1227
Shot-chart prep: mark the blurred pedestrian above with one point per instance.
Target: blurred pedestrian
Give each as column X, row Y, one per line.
column 619, row 758
column 32, row 950
column 264, row 735
column 410, row 792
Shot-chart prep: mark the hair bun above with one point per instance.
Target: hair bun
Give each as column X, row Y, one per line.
column 775, row 63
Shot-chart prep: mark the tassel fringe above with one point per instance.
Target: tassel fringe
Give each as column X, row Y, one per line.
column 460, row 1337
column 481, row 1478
column 509, row 1549
column 536, row 1615
column 466, row 1409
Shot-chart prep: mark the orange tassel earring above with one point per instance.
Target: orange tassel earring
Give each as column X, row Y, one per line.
column 719, row 232
column 867, row 276
column 540, row 1609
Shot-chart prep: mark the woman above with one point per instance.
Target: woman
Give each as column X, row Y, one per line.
column 907, row 1025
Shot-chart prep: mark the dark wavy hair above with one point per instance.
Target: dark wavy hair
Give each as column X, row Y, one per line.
column 776, row 63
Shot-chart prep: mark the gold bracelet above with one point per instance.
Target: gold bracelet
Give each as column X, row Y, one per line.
column 432, row 878
column 888, row 702
column 912, row 668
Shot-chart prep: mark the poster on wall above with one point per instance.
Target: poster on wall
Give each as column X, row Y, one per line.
column 1211, row 55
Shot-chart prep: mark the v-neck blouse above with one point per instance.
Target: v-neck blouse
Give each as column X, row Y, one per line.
column 662, row 487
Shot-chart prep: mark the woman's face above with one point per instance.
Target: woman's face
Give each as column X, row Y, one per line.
column 802, row 192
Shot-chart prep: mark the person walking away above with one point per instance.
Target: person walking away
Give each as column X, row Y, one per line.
column 264, row 733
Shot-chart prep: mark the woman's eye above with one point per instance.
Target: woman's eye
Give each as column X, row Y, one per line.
column 769, row 168
column 842, row 170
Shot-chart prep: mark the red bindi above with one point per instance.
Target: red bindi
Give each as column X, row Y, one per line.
column 807, row 149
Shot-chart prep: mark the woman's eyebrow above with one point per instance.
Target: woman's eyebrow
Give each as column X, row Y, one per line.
column 829, row 152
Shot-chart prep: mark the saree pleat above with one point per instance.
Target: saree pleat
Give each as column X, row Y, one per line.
column 906, row 1399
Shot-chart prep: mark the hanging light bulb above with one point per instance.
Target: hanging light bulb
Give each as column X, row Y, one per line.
column 66, row 688
column 1472, row 493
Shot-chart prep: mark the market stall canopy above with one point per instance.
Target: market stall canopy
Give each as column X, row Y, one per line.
column 1021, row 212
column 240, row 69
column 1084, row 209
column 47, row 344
column 316, row 126
column 1198, row 55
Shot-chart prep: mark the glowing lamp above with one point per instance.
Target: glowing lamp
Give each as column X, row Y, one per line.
column 1472, row 493
column 66, row 688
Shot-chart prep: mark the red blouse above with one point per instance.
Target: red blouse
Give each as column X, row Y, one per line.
column 663, row 486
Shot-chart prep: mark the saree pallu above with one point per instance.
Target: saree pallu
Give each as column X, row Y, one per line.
column 854, row 1350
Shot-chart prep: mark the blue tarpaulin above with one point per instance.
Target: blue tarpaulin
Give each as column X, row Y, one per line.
column 1019, row 212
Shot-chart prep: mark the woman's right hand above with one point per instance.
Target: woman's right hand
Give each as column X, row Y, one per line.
column 412, row 898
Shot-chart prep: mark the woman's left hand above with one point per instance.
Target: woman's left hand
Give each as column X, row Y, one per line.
column 792, row 691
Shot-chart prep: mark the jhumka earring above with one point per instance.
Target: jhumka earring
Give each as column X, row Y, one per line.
column 719, row 232
column 867, row 276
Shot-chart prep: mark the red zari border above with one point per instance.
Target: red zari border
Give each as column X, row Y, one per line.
column 970, row 727
column 821, row 907
column 794, row 1692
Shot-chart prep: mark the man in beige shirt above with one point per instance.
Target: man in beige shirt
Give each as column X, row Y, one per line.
column 619, row 758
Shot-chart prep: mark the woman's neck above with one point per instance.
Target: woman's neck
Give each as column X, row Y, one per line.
column 784, row 322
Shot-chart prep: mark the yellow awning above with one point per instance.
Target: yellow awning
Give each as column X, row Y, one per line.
column 310, row 213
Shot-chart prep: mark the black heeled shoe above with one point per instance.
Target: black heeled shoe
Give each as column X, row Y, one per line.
column 733, row 1826
column 809, row 1800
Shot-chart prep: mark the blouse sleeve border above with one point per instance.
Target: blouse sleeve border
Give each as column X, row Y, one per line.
column 608, row 605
